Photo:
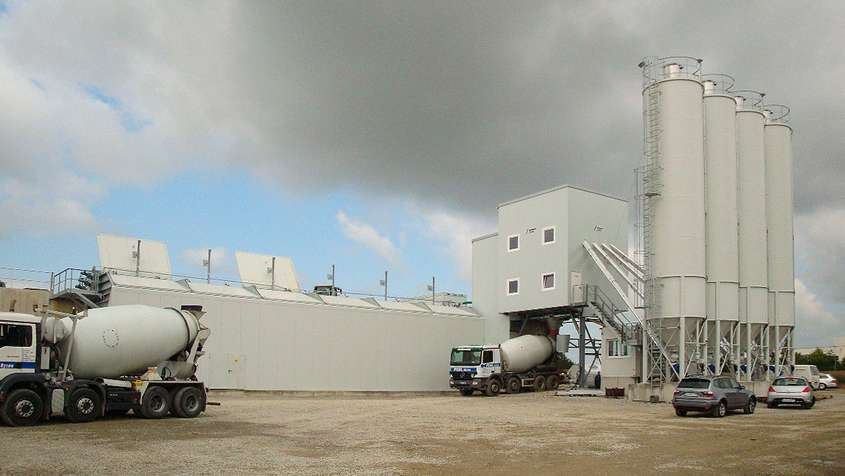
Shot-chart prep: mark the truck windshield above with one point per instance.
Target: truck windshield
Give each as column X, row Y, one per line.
column 466, row 357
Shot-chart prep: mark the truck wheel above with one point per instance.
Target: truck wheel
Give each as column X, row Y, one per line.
column 188, row 402
column 514, row 385
column 467, row 392
column 552, row 382
column 539, row 383
column 83, row 406
column 156, row 403
column 493, row 388
column 23, row 407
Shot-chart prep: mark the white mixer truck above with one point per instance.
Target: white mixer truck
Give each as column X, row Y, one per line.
column 102, row 361
column 524, row 362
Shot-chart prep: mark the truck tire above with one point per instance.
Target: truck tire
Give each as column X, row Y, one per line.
column 514, row 385
column 552, row 382
column 539, row 383
column 188, row 402
column 156, row 403
column 83, row 406
column 23, row 407
column 467, row 392
column 493, row 388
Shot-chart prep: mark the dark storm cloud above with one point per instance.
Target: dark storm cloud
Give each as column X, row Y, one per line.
column 455, row 105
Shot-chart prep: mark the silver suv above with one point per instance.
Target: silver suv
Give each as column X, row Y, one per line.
column 714, row 395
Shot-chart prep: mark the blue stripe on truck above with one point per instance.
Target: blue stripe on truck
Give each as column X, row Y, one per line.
column 17, row 365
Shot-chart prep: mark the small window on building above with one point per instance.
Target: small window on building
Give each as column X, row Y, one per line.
column 548, row 281
column 513, row 286
column 12, row 335
column 548, row 235
column 616, row 348
column 513, row 243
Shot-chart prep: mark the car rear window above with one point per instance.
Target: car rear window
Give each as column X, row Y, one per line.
column 694, row 383
column 789, row 382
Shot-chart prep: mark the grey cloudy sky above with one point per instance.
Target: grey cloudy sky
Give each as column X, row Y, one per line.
column 455, row 105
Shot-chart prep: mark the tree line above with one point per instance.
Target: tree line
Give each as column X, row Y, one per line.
column 824, row 360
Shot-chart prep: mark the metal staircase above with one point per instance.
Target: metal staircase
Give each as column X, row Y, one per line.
column 652, row 342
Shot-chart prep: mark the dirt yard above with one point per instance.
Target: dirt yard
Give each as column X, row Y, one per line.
column 509, row 434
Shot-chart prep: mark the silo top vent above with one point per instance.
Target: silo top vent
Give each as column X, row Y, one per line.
column 670, row 67
column 717, row 84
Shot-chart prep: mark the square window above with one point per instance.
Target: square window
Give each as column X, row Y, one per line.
column 513, row 287
column 548, row 235
column 513, row 243
column 548, row 281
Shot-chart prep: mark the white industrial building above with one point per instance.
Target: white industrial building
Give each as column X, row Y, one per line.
column 268, row 337
column 709, row 291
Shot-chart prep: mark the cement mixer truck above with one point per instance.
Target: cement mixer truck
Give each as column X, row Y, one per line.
column 522, row 363
column 101, row 362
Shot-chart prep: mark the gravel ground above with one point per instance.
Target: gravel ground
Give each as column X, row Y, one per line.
column 509, row 434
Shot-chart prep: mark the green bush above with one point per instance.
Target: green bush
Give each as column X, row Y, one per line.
column 821, row 359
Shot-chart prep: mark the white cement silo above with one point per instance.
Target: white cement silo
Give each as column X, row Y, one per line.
column 722, row 250
column 753, row 259
column 781, row 259
column 674, row 207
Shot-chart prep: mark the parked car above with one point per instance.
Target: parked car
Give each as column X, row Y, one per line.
column 791, row 390
column 714, row 395
column 827, row 381
column 808, row 372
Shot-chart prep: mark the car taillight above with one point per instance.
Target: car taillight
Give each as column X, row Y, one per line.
column 676, row 392
column 772, row 389
column 708, row 393
column 806, row 390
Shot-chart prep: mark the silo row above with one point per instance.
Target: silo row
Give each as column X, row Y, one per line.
column 717, row 211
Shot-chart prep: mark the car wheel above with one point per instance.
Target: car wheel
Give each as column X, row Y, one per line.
column 84, row 406
column 493, row 388
column 514, row 385
column 680, row 412
column 810, row 405
column 22, row 407
column 822, row 386
column 750, row 406
column 466, row 392
column 720, row 410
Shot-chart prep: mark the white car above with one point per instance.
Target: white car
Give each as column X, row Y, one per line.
column 790, row 390
column 827, row 381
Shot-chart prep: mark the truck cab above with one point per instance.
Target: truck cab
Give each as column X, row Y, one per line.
column 19, row 336
column 471, row 368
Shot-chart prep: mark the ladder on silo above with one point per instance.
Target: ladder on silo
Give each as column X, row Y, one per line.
column 652, row 187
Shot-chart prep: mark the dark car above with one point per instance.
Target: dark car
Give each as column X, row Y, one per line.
column 713, row 395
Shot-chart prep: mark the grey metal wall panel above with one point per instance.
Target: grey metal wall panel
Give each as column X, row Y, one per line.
column 276, row 345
